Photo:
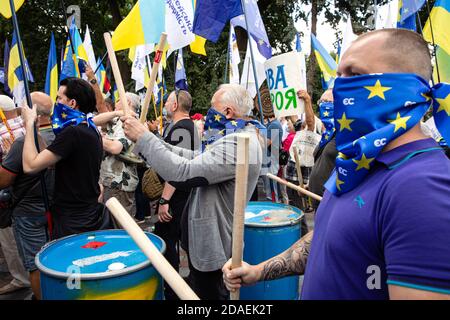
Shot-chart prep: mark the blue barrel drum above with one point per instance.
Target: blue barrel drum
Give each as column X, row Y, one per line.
column 99, row 265
column 270, row 228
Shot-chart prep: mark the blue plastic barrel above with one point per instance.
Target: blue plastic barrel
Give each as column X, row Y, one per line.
column 270, row 228
column 99, row 265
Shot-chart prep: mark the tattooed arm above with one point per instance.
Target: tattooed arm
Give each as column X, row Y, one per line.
column 290, row 262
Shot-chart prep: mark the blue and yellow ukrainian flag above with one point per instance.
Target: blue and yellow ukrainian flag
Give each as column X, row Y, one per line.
column 326, row 63
column 70, row 64
column 15, row 75
column 144, row 24
column 51, row 80
column 439, row 22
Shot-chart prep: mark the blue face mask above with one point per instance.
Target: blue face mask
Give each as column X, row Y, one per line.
column 64, row 116
column 326, row 116
column 370, row 111
column 218, row 126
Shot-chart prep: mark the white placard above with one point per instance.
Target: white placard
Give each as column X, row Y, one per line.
column 286, row 74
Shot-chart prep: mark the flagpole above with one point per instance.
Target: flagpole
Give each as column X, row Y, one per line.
column 227, row 61
column 101, row 61
column 63, row 5
column 434, row 43
column 253, row 63
column 28, row 96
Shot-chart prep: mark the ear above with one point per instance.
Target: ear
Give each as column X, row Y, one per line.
column 229, row 113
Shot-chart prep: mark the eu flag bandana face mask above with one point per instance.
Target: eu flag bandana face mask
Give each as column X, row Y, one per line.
column 326, row 116
column 64, row 116
column 370, row 111
column 218, row 126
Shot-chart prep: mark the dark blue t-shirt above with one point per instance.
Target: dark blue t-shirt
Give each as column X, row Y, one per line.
column 394, row 228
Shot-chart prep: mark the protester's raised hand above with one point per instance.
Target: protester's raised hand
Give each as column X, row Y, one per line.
column 303, row 94
column 29, row 116
column 89, row 72
column 153, row 125
column 133, row 128
column 242, row 276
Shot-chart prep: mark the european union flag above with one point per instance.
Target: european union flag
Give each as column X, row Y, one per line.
column 256, row 27
column 327, row 117
column 370, row 111
column 212, row 15
column 218, row 126
column 64, row 116
column 407, row 13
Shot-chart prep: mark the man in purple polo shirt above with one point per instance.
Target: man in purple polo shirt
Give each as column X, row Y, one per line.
column 388, row 236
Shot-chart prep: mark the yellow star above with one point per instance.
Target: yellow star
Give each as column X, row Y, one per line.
column 342, row 156
column 399, row 122
column 63, row 115
column 345, row 123
column 326, row 114
column 427, row 98
column 234, row 123
column 338, row 183
column 222, row 132
column 261, row 42
column 326, row 137
column 363, row 162
column 444, row 104
column 55, row 126
column 377, row 90
column 217, row 118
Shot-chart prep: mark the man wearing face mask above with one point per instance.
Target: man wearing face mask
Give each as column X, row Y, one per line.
column 325, row 153
column 371, row 240
column 76, row 154
column 211, row 175
column 182, row 133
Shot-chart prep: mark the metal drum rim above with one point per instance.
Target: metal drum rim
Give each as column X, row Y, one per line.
column 280, row 224
column 94, row 276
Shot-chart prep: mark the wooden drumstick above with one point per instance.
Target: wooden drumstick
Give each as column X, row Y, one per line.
column 293, row 186
column 116, row 72
column 240, row 203
column 156, row 62
column 165, row 269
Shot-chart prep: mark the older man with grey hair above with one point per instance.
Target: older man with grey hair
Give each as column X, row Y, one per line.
column 117, row 176
column 208, row 217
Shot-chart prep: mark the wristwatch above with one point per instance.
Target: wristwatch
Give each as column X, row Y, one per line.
column 93, row 81
column 163, row 201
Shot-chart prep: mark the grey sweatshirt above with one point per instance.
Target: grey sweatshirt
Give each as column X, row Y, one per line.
column 211, row 174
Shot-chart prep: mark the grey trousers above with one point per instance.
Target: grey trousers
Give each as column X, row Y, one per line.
column 15, row 265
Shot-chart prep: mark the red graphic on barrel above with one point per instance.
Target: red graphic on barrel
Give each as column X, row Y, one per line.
column 94, row 245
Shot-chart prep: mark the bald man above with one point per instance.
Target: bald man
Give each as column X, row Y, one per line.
column 385, row 237
column 28, row 211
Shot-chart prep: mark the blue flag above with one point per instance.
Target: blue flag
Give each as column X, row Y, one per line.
column 68, row 69
column 180, row 73
column 298, row 44
column 256, row 27
column 409, row 8
column 64, row 116
column 51, row 79
column 370, row 111
column 212, row 15
column 327, row 117
column 218, row 126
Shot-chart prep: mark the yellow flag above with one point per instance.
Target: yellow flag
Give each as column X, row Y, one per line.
column 5, row 9
column 198, row 46
column 132, row 54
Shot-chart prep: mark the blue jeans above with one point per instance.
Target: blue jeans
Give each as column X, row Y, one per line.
column 31, row 235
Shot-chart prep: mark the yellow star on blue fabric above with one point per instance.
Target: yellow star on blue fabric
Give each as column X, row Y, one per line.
column 399, row 122
column 377, row 90
column 444, row 105
column 63, row 115
column 326, row 114
column 338, row 183
column 363, row 162
column 234, row 123
column 55, row 126
column 342, row 156
column 217, row 118
column 345, row 123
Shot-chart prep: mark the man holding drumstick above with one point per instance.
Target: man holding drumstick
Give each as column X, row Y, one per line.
column 371, row 240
